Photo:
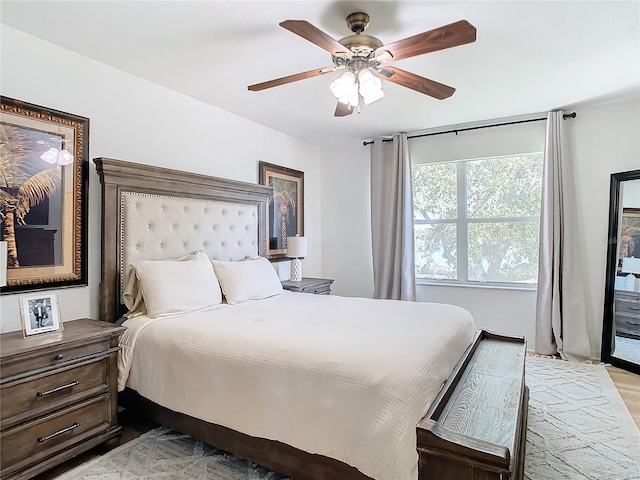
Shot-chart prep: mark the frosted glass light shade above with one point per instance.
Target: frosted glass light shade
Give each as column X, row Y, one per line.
column 370, row 87
column 296, row 247
column 373, row 96
column 353, row 96
column 3, row 264
column 59, row 157
column 342, row 87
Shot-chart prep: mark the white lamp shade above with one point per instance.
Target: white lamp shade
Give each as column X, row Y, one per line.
column 631, row 265
column 3, row 264
column 296, row 247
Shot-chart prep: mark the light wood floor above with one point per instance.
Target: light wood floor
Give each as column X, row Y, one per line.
column 628, row 385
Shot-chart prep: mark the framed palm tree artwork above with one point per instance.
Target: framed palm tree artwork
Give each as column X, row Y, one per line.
column 43, row 196
column 285, row 215
column 629, row 233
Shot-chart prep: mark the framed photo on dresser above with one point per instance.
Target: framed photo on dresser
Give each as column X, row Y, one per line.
column 40, row 313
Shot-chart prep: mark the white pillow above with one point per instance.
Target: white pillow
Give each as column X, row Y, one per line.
column 172, row 287
column 250, row 279
column 132, row 291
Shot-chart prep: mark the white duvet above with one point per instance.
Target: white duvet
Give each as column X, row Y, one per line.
column 348, row 378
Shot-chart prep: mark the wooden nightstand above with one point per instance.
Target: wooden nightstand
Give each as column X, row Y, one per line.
column 58, row 395
column 318, row 286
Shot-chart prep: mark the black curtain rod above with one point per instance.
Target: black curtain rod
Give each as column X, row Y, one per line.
column 564, row 117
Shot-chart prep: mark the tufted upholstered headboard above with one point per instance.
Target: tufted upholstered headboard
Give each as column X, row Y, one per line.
column 153, row 213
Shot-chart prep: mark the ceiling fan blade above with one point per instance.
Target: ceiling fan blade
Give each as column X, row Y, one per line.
column 343, row 109
column 315, row 35
column 291, row 78
column 452, row 35
column 416, row 82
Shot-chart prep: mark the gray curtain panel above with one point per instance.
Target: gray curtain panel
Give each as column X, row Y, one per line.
column 392, row 220
column 560, row 305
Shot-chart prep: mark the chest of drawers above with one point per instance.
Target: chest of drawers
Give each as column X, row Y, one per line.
column 627, row 313
column 58, row 395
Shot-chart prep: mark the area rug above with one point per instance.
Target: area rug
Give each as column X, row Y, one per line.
column 627, row 349
column 578, row 425
column 579, row 428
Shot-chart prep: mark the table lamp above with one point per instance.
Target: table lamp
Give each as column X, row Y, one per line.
column 630, row 265
column 296, row 249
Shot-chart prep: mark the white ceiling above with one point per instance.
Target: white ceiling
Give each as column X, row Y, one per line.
column 529, row 56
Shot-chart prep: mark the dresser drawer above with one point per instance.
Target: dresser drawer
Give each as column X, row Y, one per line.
column 37, row 396
column 316, row 286
column 317, row 289
column 51, row 357
column 628, row 307
column 34, row 441
column 627, row 325
column 627, row 295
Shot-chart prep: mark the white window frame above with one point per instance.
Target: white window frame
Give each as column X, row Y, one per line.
column 462, row 232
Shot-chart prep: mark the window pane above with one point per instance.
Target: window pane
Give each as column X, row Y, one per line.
column 503, row 252
column 435, row 247
column 434, row 191
column 504, row 186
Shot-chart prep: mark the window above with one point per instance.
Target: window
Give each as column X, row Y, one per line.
column 477, row 221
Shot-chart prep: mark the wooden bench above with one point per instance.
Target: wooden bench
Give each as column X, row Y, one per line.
column 476, row 427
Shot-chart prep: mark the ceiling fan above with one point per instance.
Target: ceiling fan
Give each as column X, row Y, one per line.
column 364, row 59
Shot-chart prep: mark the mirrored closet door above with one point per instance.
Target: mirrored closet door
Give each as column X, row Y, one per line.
column 621, row 322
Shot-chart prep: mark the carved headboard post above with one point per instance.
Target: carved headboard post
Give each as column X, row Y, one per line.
column 118, row 177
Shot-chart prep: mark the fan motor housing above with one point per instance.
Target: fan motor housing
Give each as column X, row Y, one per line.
column 361, row 45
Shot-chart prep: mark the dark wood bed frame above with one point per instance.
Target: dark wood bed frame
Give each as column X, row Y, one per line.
column 475, row 428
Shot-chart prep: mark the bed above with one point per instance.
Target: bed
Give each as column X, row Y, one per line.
column 314, row 387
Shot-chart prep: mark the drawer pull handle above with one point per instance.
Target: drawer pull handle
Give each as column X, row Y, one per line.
column 58, row 357
column 59, row 432
column 635, row 309
column 57, row 389
column 633, row 323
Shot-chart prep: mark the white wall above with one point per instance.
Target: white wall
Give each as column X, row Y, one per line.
column 607, row 140
column 346, row 215
column 135, row 120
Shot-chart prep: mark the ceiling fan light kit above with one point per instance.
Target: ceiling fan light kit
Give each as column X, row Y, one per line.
column 347, row 86
column 363, row 57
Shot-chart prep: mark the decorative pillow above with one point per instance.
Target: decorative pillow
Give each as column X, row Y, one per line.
column 249, row 279
column 171, row 287
column 132, row 295
column 132, row 292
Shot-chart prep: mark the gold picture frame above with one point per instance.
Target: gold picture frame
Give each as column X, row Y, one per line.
column 629, row 234
column 285, row 212
column 40, row 313
column 43, row 196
